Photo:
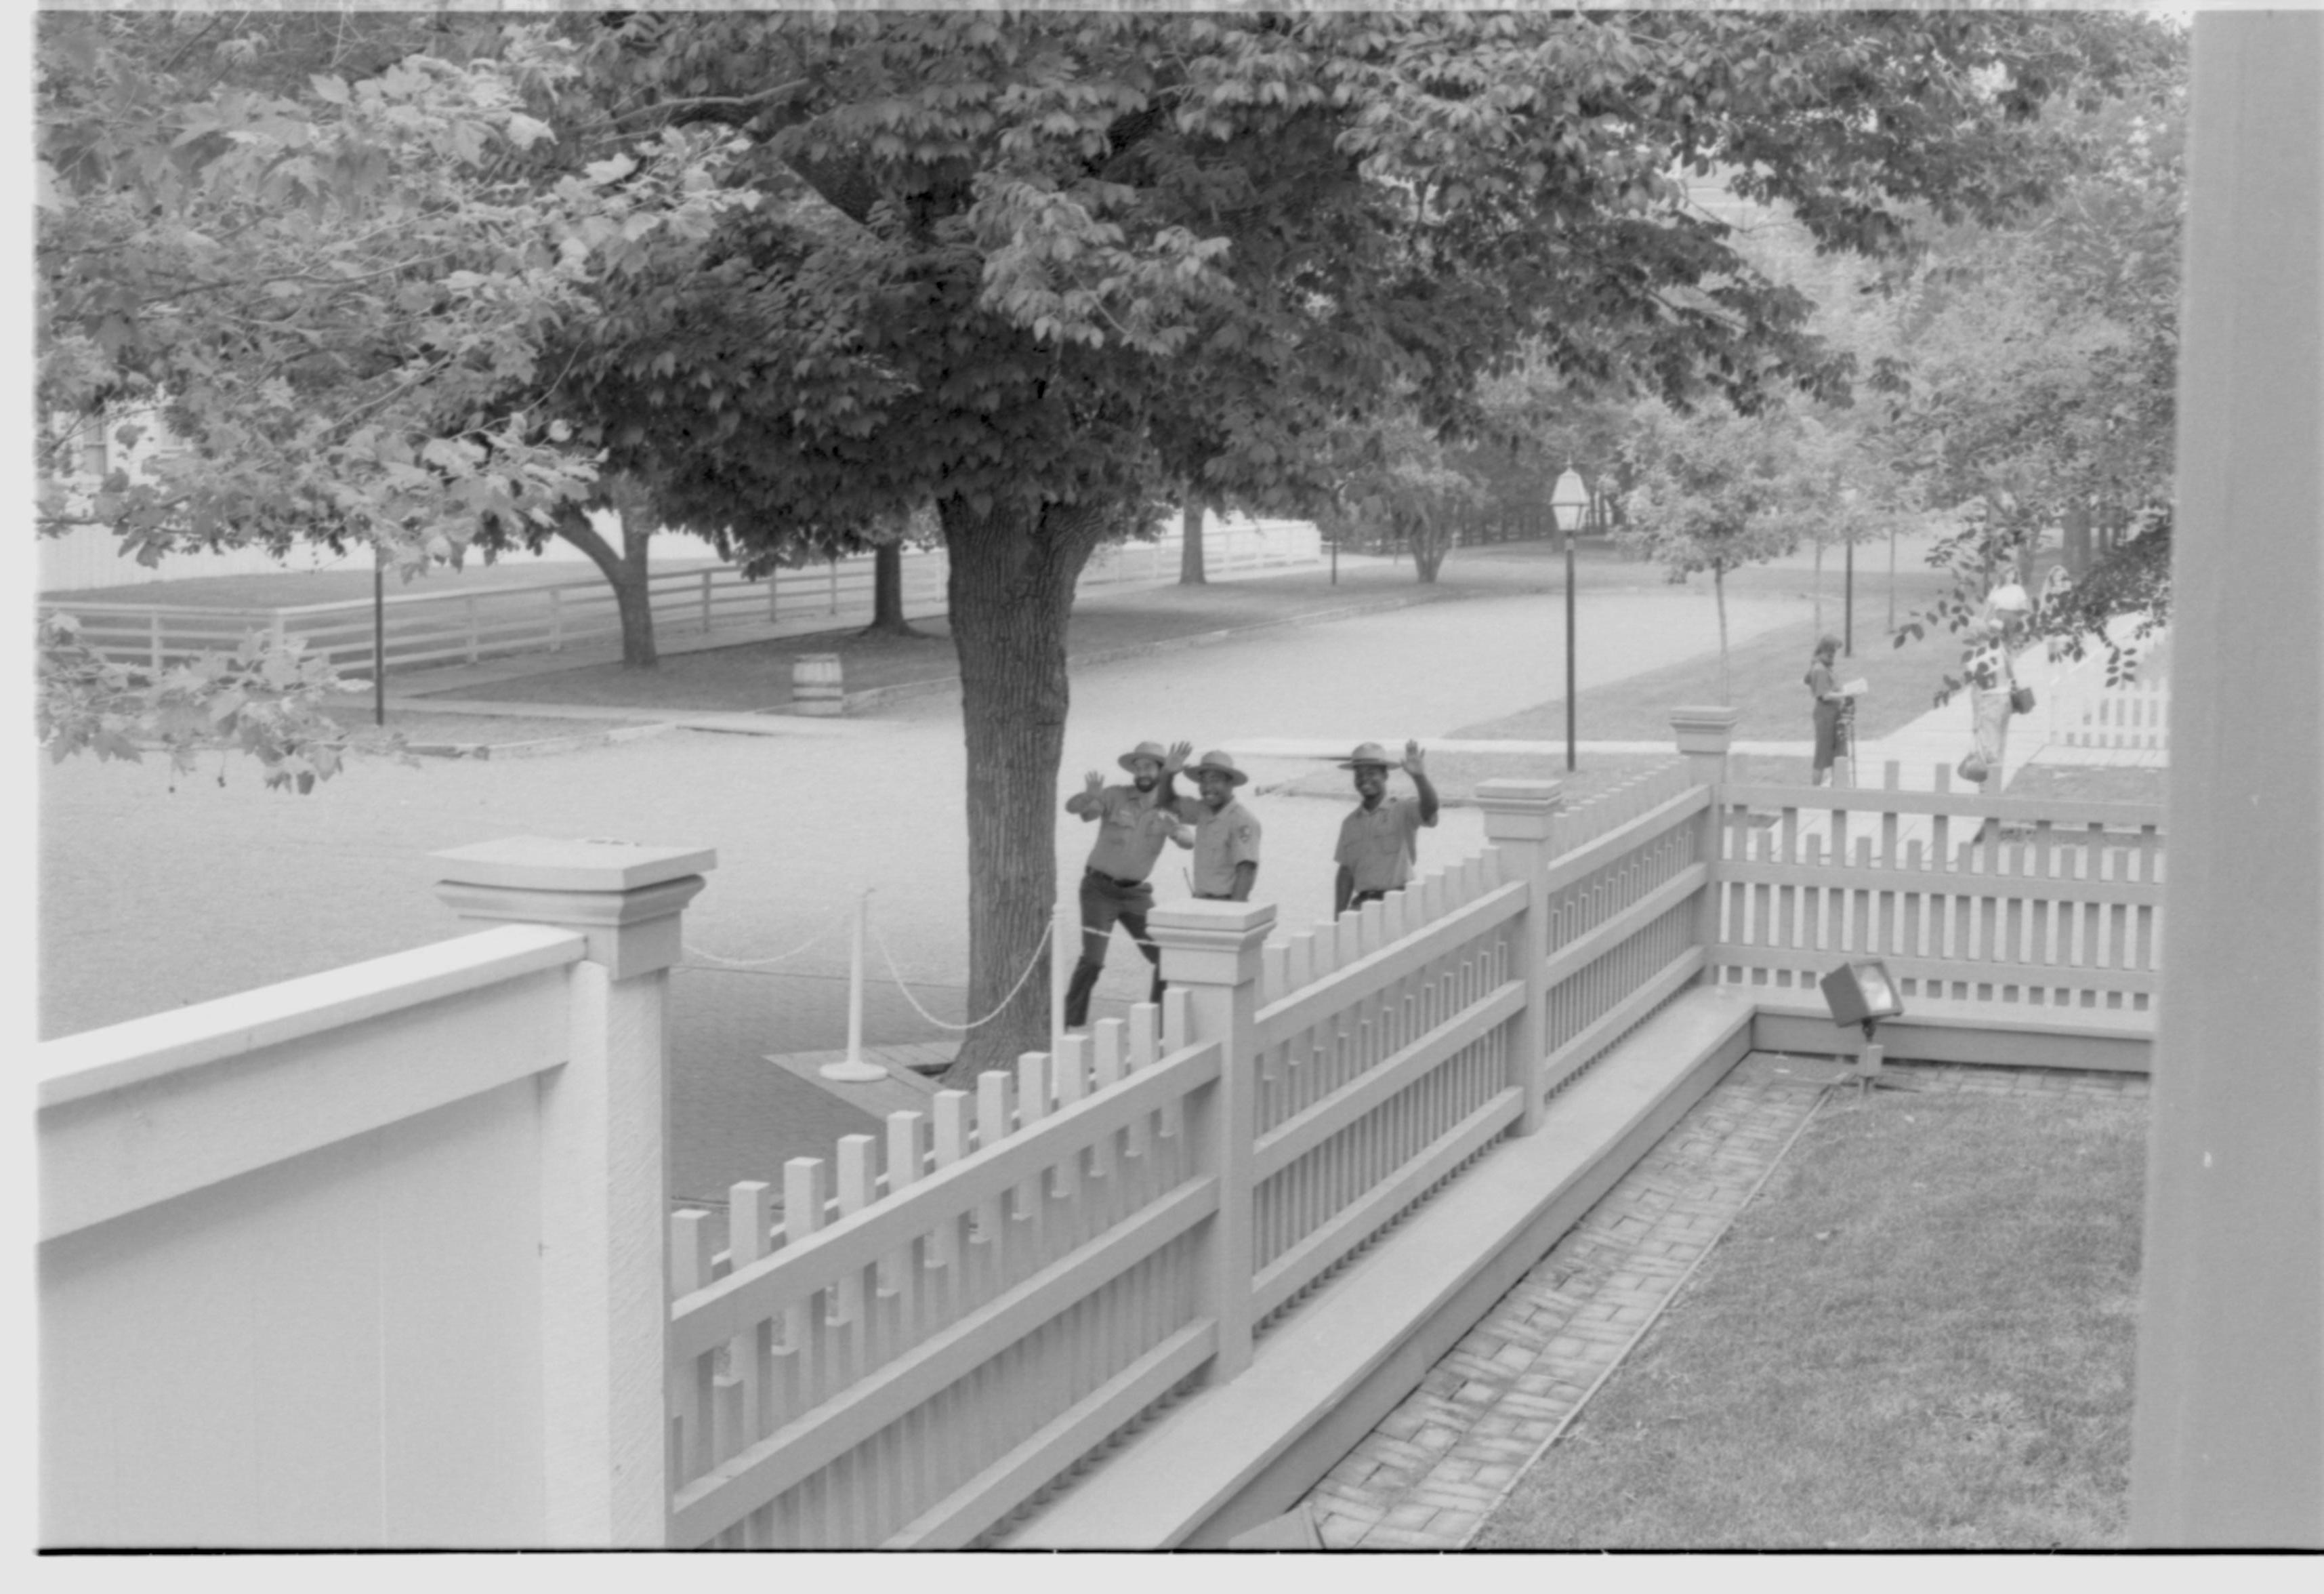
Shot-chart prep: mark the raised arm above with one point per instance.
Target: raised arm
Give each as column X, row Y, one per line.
column 1416, row 765
column 1166, row 790
column 1090, row 800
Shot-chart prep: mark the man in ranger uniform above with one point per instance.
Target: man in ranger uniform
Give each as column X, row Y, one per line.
column 1376, row 842
column 1226, row 836
column 1133, row 822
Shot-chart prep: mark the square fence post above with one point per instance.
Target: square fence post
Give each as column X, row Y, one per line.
column 1211, row 951
column 1704, row 735
column 1521, row 821
column 604, row 1188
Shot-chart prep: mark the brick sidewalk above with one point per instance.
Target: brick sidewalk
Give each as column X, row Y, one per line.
column 1432, row 1471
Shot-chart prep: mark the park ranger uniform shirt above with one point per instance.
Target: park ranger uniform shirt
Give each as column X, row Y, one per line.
column 1132, row 827
column 1375, row 844
column 1223, row 837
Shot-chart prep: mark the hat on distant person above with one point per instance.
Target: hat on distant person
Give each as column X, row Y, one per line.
column 1222, row 763
column 1153, row 750
column 1370, row 753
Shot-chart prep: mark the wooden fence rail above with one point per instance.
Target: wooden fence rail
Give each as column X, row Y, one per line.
column 423, row 628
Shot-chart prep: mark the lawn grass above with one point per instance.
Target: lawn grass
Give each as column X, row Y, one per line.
column 1766, row 680
column 1918, row 1336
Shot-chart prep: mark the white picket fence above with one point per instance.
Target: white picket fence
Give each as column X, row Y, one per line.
column 2019, row 901
column 909, row 1357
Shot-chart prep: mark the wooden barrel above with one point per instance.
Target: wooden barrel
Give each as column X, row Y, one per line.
column 815, row 684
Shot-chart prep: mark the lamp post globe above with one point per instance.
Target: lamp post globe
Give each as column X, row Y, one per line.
column 1569, row 500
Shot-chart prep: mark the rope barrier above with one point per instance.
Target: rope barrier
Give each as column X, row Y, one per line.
column 977, row 1023
column 819, row 937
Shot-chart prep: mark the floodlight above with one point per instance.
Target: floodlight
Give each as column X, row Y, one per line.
column 1861, row 992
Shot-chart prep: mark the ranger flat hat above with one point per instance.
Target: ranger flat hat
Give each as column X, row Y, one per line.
column 1223, row 762
column 1153, row 750
column 1370, row 753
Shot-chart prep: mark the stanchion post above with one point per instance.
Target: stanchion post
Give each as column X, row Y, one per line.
column 854, row 1069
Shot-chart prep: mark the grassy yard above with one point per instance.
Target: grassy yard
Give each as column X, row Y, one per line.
column 757, row 675
column 1920, row 1336
column 1766, row 675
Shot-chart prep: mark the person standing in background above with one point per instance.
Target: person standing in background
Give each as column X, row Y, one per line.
column 1830, row 707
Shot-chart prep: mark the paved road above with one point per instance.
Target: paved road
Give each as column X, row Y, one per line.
column 152, row 898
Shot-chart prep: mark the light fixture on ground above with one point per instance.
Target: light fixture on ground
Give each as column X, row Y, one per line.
column 1861, row 991
column 1569, row 501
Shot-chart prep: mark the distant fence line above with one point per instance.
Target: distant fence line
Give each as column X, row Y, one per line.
column 426, row 628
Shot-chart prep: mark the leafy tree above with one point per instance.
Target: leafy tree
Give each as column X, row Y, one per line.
column 2038, row 373
column 1717, row 490
column 324, row 286
column 1398, row 475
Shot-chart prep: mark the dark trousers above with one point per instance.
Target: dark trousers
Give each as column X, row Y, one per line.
column 1362, row 898
column 1105, row 903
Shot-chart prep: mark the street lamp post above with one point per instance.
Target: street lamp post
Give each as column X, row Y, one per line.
column 1848, row 603
column 1569, row 500
column 378, row 635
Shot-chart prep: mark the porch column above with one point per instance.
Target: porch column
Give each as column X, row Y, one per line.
column 605, row 1193
column 2227, row 1444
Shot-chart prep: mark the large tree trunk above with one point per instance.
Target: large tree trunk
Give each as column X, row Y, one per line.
column 1011, row 590
column 2078, row 539
column 888, row 592
column 1429, row 539
column 625, row 571
column 1190, row 543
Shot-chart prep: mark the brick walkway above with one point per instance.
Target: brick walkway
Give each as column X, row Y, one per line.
column 1430, row 1474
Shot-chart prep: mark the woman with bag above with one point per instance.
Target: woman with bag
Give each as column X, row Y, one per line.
column 1994, row 692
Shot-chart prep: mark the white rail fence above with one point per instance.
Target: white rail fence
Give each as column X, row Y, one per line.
column 2130, row 717
column 425, row 628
